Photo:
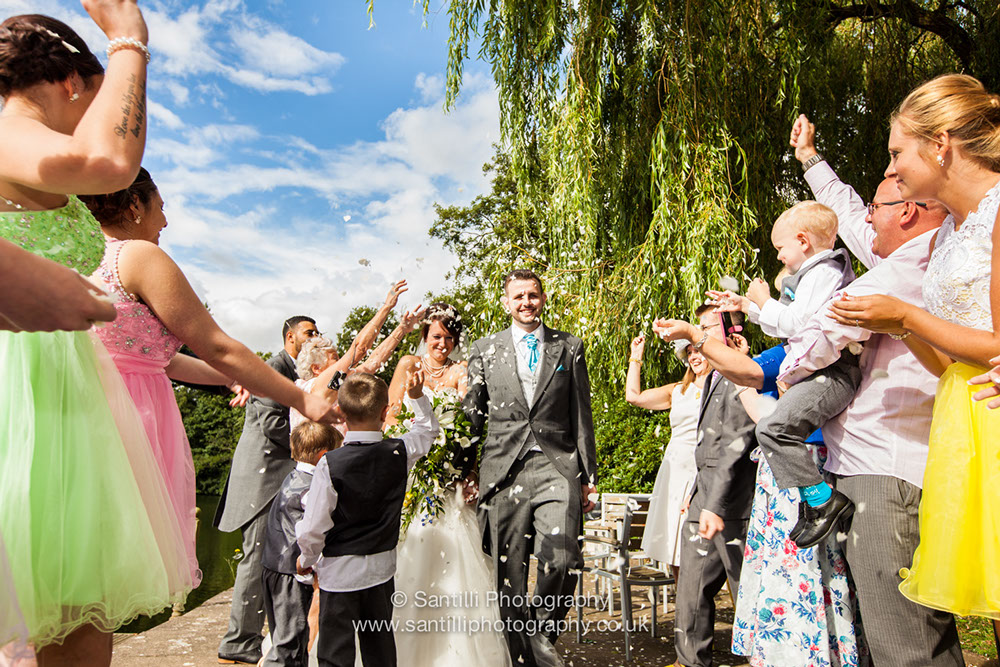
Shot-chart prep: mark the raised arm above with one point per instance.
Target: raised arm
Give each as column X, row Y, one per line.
column 366, row 337
column 103, row 152
column 734, row 365
column 850, row 208
column 657, row 398
column 381, row 354
column 149, row 273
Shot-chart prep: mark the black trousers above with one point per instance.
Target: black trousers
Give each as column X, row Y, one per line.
column 367, row 612
column 286, row 603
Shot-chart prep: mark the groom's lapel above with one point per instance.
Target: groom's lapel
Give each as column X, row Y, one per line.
column 552, row 351
column 507, row 354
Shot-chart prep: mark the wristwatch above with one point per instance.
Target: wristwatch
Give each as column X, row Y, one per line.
column 815, row 159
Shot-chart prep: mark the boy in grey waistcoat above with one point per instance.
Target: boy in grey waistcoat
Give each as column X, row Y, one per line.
column 288, row 595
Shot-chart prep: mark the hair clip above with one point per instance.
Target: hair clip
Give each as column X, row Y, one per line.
column 72, row 49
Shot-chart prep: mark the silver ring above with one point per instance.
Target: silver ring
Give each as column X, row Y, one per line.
column 857, row 323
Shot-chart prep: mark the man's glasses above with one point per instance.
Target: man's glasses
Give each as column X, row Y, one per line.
column 873, row 206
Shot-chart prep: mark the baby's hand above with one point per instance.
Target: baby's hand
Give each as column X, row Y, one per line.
column 415, row 384
column 759, row 292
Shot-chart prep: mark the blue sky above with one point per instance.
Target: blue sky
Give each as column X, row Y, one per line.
column 300, row 153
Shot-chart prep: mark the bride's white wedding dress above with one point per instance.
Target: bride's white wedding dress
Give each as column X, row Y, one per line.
column 451, row 614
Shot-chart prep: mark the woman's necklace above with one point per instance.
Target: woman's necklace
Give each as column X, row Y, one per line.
column 435, row 371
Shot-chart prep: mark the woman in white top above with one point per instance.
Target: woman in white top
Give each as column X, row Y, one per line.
column 675, row 478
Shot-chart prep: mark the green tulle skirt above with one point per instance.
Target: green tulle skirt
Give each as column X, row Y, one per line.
column 89, row 531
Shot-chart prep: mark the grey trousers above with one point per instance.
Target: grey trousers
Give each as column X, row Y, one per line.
column 286, row 603
column 705, row 566
column 534, row 510
column 246, row 615
column 884, row 534
column 802, row 409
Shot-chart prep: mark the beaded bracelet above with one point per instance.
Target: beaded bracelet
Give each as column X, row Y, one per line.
column 119, row 43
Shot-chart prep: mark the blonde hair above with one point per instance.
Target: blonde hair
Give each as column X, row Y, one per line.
column 959, row 105
column 310, row 439
column 362, row 397
column 314, row 352
column 814, row 218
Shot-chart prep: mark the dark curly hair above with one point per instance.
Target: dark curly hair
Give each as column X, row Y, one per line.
column 113, row 209
column 30, row 54
column 447, row 316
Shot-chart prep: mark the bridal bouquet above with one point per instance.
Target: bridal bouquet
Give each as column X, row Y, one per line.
column 434, row 473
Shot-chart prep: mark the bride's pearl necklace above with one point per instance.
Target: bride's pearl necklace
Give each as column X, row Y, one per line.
column 435, row 371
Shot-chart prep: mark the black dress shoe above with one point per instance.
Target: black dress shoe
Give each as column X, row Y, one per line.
column 815, row 523
column 227, row 660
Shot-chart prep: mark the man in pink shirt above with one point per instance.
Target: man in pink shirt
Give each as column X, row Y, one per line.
column 878, row 446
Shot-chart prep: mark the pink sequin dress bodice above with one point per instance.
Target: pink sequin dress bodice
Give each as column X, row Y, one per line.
column 141, row 347
column 136, row 330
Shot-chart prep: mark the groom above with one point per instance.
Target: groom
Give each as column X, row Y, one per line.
column 538, row 467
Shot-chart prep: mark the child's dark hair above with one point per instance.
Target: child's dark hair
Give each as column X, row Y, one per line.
column 363, row 397
column 310, row 439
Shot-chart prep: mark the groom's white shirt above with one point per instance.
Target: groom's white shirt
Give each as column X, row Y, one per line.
column 338, row 574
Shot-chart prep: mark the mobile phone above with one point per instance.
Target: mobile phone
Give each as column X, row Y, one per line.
column 337, row 380
column 727, row 324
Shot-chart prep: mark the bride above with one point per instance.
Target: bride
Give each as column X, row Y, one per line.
column 450, row 613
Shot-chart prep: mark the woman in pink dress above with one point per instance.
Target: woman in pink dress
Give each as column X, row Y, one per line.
column 158, row 312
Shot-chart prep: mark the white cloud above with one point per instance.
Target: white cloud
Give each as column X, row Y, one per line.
column 261, row 265
column 164, row 115
column 277, row 52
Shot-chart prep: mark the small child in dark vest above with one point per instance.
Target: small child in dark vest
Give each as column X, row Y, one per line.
column 804, row 238
column 352, row 519
column 288, row 595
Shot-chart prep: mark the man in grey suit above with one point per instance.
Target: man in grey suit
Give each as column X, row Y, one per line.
column 261, row 462
column 538, row 467
column 715, row 528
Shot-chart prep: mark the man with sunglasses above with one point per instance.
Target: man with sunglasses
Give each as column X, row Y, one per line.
column 878, row 445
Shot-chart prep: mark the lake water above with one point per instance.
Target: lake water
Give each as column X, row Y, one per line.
column 217, row 558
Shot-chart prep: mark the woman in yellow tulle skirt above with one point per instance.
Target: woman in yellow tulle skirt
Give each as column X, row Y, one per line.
column 957, row 565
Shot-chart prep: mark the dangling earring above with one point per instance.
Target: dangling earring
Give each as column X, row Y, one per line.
column 74, row 97
column 940, row 161
column 138, row 219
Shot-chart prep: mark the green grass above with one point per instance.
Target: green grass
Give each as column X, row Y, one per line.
column 976, row 634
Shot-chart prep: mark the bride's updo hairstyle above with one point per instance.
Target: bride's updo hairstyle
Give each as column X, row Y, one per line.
column 959, row 105
column 447, row 316
column 115, row 208
column 38, row 49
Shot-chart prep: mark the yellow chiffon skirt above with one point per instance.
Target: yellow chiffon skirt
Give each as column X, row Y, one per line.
column 956, row 567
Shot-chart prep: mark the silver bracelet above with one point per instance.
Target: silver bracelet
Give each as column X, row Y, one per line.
column 120, row 43
column 899, row 336
column 815, row 159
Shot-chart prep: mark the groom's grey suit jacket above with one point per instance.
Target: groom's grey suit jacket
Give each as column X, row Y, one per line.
column 262, row 458
column 559, row 418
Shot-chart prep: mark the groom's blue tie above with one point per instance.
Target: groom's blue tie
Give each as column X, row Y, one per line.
column 532, row 344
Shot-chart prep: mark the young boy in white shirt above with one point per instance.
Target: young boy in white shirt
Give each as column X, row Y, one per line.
column 353, row 518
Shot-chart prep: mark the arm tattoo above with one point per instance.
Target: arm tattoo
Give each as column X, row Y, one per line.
column 133, row 104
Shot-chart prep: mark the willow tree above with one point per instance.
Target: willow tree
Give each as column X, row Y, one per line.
column 649, row 139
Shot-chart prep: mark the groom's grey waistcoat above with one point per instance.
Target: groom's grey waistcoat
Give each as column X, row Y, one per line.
column 262, row 458
column 559, row 417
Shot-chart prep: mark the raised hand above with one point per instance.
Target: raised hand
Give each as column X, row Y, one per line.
column 118, row 18
column 727, row 301
column 393, row 297
column 759, row 292
column 412, row 318
column 739, row 343
column 803, row 138
column 638, row 346
column 415, row 383
column 670, row 330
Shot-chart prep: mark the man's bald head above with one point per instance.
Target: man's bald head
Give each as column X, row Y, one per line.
column 896, row 221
